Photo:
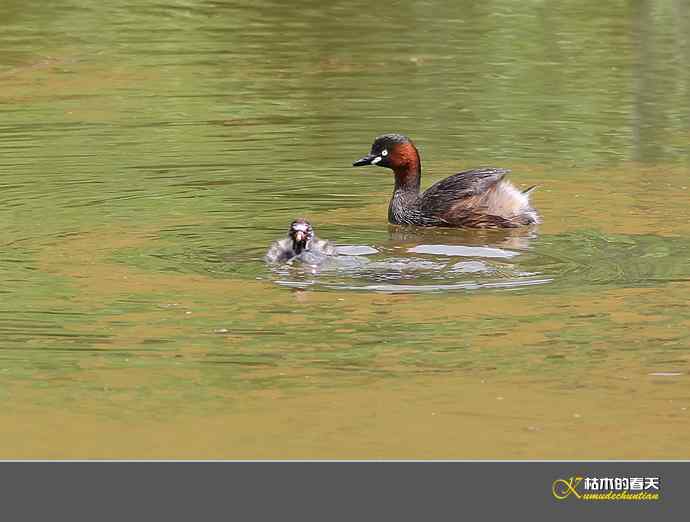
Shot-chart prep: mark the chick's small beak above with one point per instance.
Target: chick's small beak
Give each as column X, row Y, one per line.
column 369, row 159
column 300, row 236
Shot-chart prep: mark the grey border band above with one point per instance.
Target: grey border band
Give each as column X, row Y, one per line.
column 325, row 491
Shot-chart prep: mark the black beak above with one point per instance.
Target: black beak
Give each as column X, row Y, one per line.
column 298, row 245
column 366, row 160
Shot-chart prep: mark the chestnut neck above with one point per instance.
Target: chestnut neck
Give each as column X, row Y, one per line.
column 407, row 167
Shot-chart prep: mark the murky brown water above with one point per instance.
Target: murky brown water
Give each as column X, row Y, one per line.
column 149, row 154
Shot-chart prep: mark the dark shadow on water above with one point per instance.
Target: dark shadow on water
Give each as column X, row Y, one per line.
column 488, row 243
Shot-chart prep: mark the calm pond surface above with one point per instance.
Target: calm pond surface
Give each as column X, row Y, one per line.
column 151, row 151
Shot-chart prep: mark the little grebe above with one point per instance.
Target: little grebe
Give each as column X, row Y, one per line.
column 301, row 243
column 478, row 198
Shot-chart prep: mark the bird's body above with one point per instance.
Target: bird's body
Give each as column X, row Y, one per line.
column 282, row 251
column 478, row 198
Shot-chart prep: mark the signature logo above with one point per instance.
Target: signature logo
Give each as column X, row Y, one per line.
column 562, row 488
column 607, row 488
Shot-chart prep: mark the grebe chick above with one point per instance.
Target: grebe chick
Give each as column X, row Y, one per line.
column 301, row 244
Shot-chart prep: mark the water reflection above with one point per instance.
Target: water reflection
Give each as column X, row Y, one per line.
column 418, row 259
column 511, row 238
column 424, row 260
